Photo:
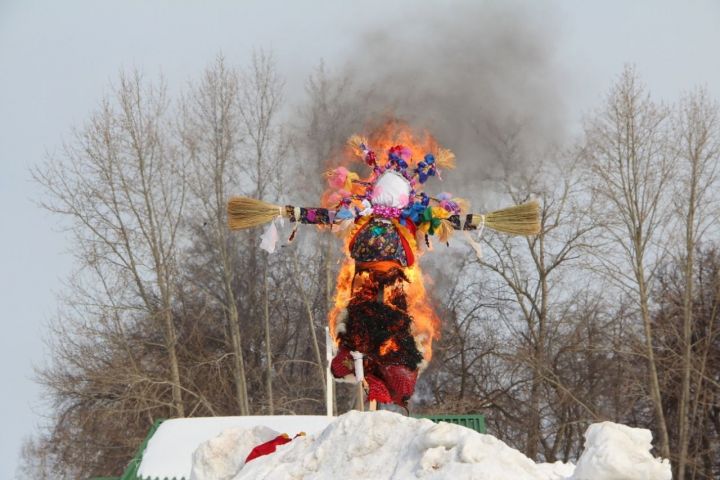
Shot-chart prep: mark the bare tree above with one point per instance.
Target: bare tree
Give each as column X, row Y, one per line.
column 35, row 462
column 211, row 135
column 462, row 374
column 698, row 151
column 120, row 184
column 259, row 107
column 540, row 293
column 703, row 439
column 627, row 149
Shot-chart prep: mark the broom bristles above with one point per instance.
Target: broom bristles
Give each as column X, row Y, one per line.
column 244, row 212
column 445, row 158
column 521, row 219
column 355, row 141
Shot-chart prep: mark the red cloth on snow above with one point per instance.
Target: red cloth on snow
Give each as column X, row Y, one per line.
column 268, row 447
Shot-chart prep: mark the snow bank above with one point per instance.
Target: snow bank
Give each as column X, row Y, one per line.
column 222, row 457
column 169, row 453
column 618, row 452
column 384, row 445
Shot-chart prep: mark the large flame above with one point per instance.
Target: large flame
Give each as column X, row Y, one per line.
column 425, row 322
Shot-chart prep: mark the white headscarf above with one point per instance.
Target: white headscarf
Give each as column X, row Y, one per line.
column 391, row 190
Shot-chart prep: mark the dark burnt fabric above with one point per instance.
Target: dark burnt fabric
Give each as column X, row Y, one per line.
column 378, row 240
column 378, row 324
column 456, row 224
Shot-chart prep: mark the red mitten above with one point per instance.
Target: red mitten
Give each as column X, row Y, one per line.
column 400, row 382
column 377, row 389
column 342, row 365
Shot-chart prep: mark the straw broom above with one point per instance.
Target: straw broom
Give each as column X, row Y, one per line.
column 244, row 212
column 522, row 219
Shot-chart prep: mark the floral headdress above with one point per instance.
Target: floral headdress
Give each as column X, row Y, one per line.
column 353, row 196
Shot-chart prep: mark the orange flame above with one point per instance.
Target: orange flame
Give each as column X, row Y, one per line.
column 426, row 323
column 388, row 346
column 394, row 133
column 391, row 133
column 425, row 327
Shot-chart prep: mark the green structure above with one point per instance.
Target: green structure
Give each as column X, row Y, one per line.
column 472, row 421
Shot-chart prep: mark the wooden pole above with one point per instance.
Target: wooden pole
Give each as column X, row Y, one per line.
column 328, row 373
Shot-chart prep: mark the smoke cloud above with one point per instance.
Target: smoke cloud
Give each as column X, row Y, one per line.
column 482, row 79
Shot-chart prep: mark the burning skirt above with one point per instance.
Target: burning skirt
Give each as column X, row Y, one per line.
column 377, row 325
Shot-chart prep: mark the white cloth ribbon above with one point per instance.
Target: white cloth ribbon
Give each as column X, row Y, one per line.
column 270, row 236
column 359, row 372
column 475, row 244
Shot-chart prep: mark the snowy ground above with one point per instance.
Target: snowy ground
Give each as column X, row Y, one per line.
column 169, row 454
column 384, row 445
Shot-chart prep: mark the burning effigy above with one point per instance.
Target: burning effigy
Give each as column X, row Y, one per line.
column 383, row 323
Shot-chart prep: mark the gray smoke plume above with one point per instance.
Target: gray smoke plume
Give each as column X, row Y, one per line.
column 482, row 79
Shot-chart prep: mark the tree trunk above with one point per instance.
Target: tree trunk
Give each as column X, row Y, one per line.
column 239, row 378
column 654, row 381
column 684, row 405
column 239, row 361
column 311, row 321
column 171, row 341
column 268, row 346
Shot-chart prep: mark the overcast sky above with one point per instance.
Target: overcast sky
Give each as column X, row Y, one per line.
column 58, row 57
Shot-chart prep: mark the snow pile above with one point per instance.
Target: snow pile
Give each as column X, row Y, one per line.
column 384, row 445
column 222, row 457
column 169, row 453
column 618, row 452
